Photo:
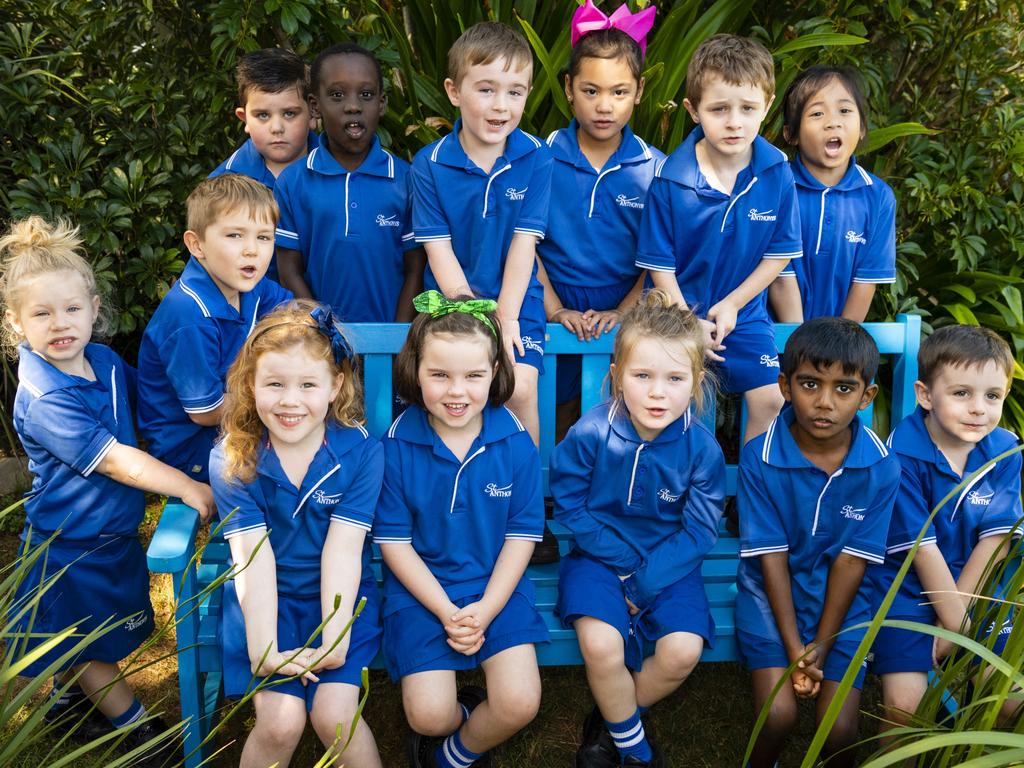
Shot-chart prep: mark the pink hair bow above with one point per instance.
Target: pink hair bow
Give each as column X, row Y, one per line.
column 589, row 18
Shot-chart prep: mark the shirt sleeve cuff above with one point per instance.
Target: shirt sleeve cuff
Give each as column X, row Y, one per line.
column 756, row 550
column 286, row 238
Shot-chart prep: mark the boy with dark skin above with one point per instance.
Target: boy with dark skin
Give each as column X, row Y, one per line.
column 345, row 237
column 816, row 492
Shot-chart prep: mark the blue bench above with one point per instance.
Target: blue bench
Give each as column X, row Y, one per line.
column 173, row 548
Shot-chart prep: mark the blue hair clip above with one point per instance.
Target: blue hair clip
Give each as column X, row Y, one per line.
column 328, row 324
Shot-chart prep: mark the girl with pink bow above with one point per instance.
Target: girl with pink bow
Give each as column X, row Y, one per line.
column 601, row 174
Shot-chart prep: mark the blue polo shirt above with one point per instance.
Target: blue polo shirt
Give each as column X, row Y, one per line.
column 713, row 241
column 67, row 426
column 649, row 510
column 592, row 232
column 849, row 235
column 989, row 505
column 186, row 350
column 453, row 199
column 248, row 161
column 787, row 504
column 352, row 229
column 341, row 485
column 458, row 514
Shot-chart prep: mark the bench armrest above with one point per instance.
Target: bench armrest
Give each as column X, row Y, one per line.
column 174, row 541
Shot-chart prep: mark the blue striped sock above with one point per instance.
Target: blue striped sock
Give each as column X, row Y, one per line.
column 629, row 737
column 134, row 712
column 454, row 754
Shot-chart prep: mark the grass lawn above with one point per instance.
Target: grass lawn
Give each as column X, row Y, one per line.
column 704, row 724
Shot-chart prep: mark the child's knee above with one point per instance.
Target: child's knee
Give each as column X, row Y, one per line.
column 781, row 720
column 283, row 727
column 602, row 647
column 429, row 718
column 843, row 733
column 678, row 655
column 326, row 722
column 516, row 706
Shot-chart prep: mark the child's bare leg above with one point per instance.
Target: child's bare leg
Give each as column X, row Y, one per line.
column 837, row 750
column 1011, row 709
column 604, row 654
column 675, row 656
column 430, row 704
column 781, row 716
column 901, row 693
column 763, row 405
column 334, row 709
column 103, row 684
column 524, row 400
column 513, row 698
column 280, row 721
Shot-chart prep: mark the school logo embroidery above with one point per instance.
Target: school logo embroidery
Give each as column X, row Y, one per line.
column 529, row 343
column 516, row 194
column 853, row 514
column 135, row 622
column 770, row 361
column 756, row 215
column 495, row 492
column 666, row 495
column 388, row 221
column 980, row 498
column 853, row 237
column 322, row 498
column 628, row 202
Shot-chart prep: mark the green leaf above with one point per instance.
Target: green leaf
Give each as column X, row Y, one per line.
column 819, row 40
column 1013, row 301
column 879, row 137
column 962, row 314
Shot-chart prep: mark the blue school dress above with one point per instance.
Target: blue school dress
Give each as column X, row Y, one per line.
column 590, row 248
column 341, row 486
column 67, row 425
column 849, row 236
column 643, row 515
column 457, row 515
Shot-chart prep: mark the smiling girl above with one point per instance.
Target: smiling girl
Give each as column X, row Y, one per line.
column 296, row 478
column 458, row 517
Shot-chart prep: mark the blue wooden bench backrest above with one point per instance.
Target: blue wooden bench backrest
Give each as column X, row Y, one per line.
column 173, row 547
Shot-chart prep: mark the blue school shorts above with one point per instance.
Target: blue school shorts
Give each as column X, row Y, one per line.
column 751, row 358
column 903, row 650
column 760, row 653
column 415, row 641
column 532, row 331
column 587, row 587
column 297, row 618
column 570, row 367
column 105, row 579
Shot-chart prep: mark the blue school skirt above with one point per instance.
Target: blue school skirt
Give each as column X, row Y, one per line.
column 415, row 641
column 297, row 619
column 587, row 587
column 106, row 582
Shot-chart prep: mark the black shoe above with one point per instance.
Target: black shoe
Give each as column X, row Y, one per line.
column 74, row 711
column 422, row 749
column 657, row 759
column 597, row 749
column 546, row 550
column 166, row 752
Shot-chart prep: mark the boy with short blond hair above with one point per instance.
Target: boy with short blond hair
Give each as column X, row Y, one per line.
column 273, row 93
column 965, row 374
column 480, row 199
column 202, row 322
column 721, row 219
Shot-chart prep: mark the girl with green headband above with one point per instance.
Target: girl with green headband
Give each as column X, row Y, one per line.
column 459, row 514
